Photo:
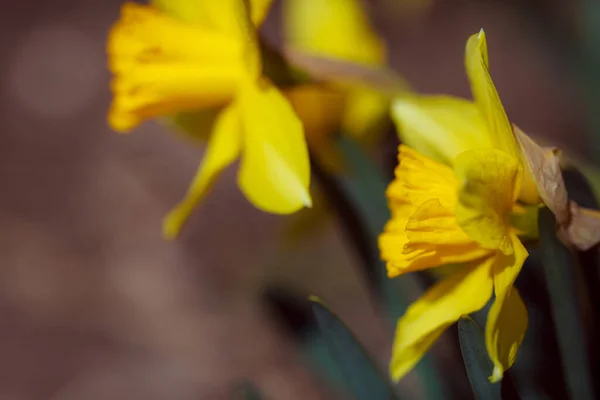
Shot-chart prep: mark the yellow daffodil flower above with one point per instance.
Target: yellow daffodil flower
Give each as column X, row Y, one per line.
column 457, row 211
column 183, row 55
column 337, row 29
column 441, row 127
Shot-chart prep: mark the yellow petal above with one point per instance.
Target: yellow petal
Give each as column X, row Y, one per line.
column 507, row 319
column 162, row 66
column 275, row 170
column 333, row 28
column 462, row 293
column 488, row 182
column 440, row 127
column 486, row 96
column 223, row 148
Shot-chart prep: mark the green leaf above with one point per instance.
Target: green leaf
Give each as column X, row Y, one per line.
column 363, row 380
column 477, row 362
column 365, row 186
column 558, row 266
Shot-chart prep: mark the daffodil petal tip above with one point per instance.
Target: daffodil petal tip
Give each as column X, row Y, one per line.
column 172, row 225
column 307, row 200
column 497, row 374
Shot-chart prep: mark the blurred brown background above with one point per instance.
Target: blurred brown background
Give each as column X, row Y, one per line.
column 94, row 304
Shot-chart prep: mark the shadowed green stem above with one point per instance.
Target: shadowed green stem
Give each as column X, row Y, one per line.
column 558, row 264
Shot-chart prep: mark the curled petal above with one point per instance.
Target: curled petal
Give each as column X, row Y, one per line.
column 275, row 170
column 223, row 148
column 462, row 293
column 507, row 319
column 486, row 196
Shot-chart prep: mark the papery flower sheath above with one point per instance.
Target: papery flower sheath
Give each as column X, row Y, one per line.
column 457, row 209
column 183, row 55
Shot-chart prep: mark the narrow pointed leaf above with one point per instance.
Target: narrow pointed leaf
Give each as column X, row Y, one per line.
column 364, row 381
column 476, row 359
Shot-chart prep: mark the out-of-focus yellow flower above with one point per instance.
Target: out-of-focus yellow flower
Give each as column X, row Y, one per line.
column 333, row 28
column 337, row 29
column 185, row 55
column 457, row 213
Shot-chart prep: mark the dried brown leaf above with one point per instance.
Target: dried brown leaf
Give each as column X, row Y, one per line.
column 583, row 230
column 543, row 163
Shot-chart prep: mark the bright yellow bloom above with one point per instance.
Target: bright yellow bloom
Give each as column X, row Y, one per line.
column 441, row 127
column 337, row 29
column 185, row 55
column 457, row 212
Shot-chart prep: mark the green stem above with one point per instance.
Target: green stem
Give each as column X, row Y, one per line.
column 558, row 264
